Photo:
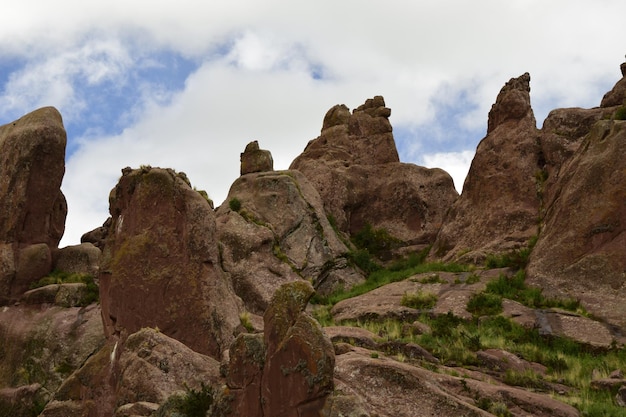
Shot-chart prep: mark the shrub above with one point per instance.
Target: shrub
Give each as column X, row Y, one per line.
column 419, row 300
column 485, row 304
column 375, row 241
column 60, row 277
column 195, row 403
column 620, row 113
column 234, row 204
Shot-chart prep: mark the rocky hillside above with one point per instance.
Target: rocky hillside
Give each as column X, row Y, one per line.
column 349, row 285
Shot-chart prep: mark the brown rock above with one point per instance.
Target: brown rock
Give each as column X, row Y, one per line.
column 617, row 96
column 78, row 259
column 501, row 361
column 380, row 386
column 160, row 266
column 34, row 262
column 279, row 234
column 354, row 335
column 288, row 370
column 573, row 326
column 245, row 372
column 32, row 208
column 354, row 166
column 148, row 368
column 298, row 372
column 44, row 345
column 97, row 236
column 254, row 159
column 497, row 211
column 581, row 250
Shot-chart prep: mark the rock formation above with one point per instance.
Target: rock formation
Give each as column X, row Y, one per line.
column 354, row 166
column 581, row 249
column 254, row 159
column 289, row 371
column 32, row 206
column 215, row 302
column 499, row 207
column 274, row 230
column 160, row 265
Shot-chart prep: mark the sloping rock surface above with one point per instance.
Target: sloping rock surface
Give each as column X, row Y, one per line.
column 354, row 166
column 279, row 233
column 160, row 266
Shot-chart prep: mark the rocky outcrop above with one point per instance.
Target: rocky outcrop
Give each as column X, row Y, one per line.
column 160, row 267
column 287, row 371
column 380, row 386
column 254, row 159
column 140, row 374
column 499, row 207
column 42, row 346
column 32, row 206
column 580, row 252
column 274, row 230
column 354, row 165
column 617, row 96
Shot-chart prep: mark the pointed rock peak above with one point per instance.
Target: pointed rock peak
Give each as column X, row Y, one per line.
column 375, row 107
column 513, row 102
column 337, row 115
column 617, row 96
column 254, row 159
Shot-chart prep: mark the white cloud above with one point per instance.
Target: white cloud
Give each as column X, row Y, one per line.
column 256, row 64
column 457, row 164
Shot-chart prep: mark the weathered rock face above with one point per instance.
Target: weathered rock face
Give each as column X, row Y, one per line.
column 581, row 250
column 354, row 166
column 380, row 386
column 274, row 230
column 140, row 374
column 42, row 346
column 32, row 207
column 499, row 207
column 254, row 159
column 160, row 266
column 288, row 371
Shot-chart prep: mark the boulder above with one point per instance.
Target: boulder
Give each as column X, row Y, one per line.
column 581, row 251
column 32, row 206
column 498, row 209
column 288, row 370
column 45, row 344
column 160, row 266
column 139, row 374
column 274, row 230
column 354, row 165
column 254, row 159
column 78, row 259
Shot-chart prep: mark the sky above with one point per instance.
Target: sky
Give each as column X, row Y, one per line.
column 187, row 84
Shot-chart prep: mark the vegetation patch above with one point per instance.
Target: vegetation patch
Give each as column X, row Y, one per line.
column 60, row 277
column 485, row 304
column 419, row 300
column 517, row 259
column 234, row 204
column 194, row 403
column 515, row 288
